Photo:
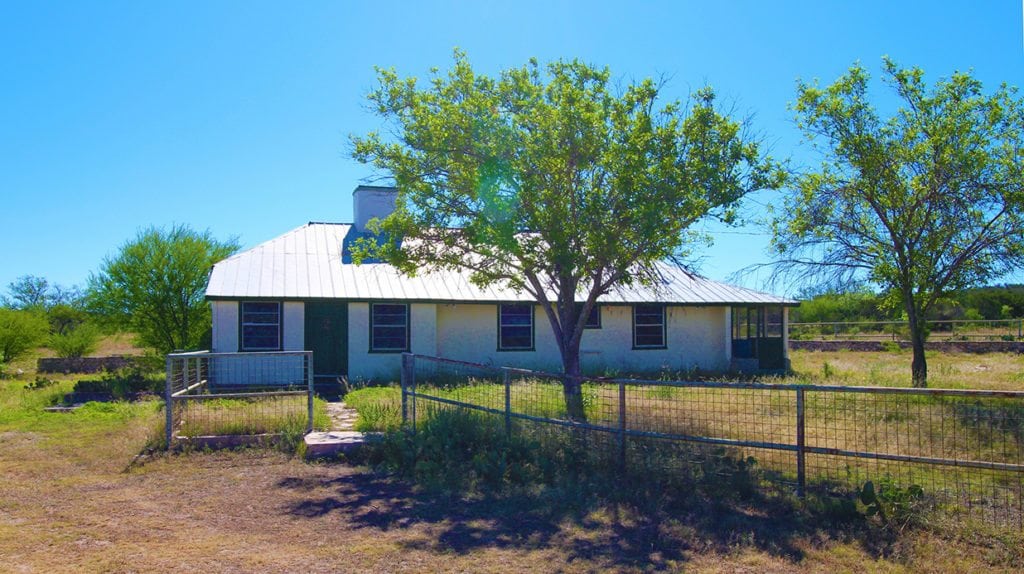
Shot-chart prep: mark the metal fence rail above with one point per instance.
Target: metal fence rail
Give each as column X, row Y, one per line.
column 965, row 448
column 940, row 330
column 235, row 394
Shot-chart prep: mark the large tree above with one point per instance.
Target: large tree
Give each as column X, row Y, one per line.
column 156, row 283
column 550, row 181
column 922, row 202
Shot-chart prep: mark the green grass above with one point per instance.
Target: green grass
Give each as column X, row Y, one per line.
column 264, row 415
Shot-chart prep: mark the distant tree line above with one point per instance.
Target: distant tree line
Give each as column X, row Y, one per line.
column 154, row 288
column 980, row 303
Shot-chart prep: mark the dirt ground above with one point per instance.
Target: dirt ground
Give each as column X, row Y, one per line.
column 74, row 498
column 93, row 510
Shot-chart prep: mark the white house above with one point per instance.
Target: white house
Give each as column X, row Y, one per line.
column 300, row 291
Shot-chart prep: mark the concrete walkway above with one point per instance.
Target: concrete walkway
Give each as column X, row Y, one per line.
column 343, row 417
column 342, row 437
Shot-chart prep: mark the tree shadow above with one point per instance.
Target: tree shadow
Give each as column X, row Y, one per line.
column 585, row 527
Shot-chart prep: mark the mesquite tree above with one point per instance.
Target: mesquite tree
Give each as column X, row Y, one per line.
column 921, row 203
column 546, row 180
column 156, row 284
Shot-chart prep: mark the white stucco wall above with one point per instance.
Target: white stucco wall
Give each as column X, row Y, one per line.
column 225, row 326
column 696, row 338
column 364, row 365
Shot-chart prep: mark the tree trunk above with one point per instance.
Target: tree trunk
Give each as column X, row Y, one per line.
column 918, row 365
column 572, row 385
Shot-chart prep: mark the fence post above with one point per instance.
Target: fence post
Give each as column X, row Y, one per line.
column 507, row 380
column 1020, row 328
column 169, row 402
column 406, row 369
column 309, row 383
column 801, row 474
column 622, row 426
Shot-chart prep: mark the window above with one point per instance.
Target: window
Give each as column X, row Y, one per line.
column 261, row 326
column 515, row 327
column 594, row 318
column 389, row 328
column 648, row 327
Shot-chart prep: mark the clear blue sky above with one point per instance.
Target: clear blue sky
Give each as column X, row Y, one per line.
column 234, row 116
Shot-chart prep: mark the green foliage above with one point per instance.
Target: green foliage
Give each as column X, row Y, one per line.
column 40, row 383
column 64, row 317
column 156, row 284
column 75, row 342
column 20, row 332
column 455, row 450
column 894, row 506
column 921, row 203
column 833, row 307
column 519, row 178
column 29, row 292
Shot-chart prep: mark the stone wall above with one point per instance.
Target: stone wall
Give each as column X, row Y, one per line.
column 82, row 364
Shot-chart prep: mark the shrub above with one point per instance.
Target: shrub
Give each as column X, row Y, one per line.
column 40, row 383
column 460, row 451
column 76, row 341
column 20, row 331
column 121, row 383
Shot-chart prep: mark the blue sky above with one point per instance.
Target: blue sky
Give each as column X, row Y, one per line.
column 234, row 116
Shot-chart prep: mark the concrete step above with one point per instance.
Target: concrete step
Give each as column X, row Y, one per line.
column 330, row 443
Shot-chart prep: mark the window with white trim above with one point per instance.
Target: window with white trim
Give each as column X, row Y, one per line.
column 260, row 326
column 515, row 327
column 389, row 327
column 648, row 326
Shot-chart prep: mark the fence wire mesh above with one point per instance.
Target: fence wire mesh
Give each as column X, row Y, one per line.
column 939, row 330
column 238, row 394
column 964, row 449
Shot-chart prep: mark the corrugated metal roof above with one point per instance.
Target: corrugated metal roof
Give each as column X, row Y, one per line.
column 306, row 263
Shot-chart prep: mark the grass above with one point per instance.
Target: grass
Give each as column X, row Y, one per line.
column 990, row 371
column 265, row 415
column 72, row 499
column 984, row 429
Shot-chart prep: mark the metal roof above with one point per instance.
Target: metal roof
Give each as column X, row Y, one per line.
column 307, row 263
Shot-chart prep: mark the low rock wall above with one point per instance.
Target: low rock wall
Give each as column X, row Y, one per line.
column 82, row 364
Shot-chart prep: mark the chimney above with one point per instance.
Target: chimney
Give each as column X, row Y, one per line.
column 370, row 201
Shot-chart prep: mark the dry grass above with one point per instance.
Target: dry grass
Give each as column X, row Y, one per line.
column 990, row 371
column 71, row 500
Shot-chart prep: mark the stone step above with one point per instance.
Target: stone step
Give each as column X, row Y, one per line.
column 330, row 443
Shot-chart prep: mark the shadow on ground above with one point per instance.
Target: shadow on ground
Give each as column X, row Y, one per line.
column 590, row 529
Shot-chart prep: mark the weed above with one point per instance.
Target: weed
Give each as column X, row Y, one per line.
column 895, row 506
column 827, row 370
column 40, row 383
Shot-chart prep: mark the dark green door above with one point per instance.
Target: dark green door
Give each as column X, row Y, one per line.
column 327, row 337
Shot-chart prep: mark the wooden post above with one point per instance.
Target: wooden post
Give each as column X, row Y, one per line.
column 309, row 382
column 622, row 426
column 406, row 369
column 507, row 379
column 801, row 475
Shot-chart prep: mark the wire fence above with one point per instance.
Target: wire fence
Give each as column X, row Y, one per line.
column 941, row 330
column 963, row 449
column 238, row 394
